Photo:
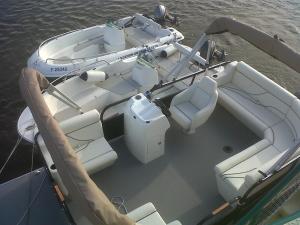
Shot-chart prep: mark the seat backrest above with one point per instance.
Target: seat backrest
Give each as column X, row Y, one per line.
column 203, row 91
column 266, row 83
column 265, row 91
column 83, row 128
column 293, row 118
column 208, row 85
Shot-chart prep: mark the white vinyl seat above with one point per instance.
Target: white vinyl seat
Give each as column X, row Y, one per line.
column 85, row 134
column 267, row 109
column 148, row 215
column 192, row 107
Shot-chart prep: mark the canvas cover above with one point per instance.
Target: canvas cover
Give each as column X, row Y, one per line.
column 270, row 45
column 82, row 190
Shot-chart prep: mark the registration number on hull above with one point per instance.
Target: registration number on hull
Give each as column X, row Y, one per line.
column 59, row 69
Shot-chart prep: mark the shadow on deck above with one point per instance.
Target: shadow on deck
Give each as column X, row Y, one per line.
column 181, row 184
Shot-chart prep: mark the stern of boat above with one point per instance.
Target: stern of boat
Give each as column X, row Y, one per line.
column 26, row 126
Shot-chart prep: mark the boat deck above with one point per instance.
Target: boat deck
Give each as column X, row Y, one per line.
column 181, row 184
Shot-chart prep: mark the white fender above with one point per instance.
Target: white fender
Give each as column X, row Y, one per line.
column 94, row 76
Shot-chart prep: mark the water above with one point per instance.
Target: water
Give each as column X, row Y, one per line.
column 26, row 23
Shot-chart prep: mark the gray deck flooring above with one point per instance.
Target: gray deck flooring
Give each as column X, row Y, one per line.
column 181, row 184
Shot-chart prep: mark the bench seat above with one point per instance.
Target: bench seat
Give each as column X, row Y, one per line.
column 85, row 134
column 97, row 155
column 148, row 215
column 267, row 109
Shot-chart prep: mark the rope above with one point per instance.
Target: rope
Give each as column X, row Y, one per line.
column 30, row 181
column 119, row 202
column 27, row 211
column 11, row 153
column 32, row 201
column 225, row 175
column 31, row 127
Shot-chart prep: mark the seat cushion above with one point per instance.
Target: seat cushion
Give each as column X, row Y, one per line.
column 175, row 222
column 181, row 118
column 233, row 161
column 236, row 175
column 192, row 107
column 146, row 215
column 267, row 84
column 96, row 155
column 283, row 136
column 231, row 183
column 242, row 114
column 200, row 98
column 188, row 109
column 251, row 104
column 265, row 108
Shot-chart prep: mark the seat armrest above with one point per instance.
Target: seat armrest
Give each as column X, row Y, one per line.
column 254, row 176
column 176, row 222
column 240, row 157
column 83, row 128
column 142, row 212
column 206, row 112
column 210, row 106
column 80, row 121
column 250, row 179
column 201, row 116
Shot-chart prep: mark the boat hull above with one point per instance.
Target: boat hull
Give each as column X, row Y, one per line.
column 81, row 50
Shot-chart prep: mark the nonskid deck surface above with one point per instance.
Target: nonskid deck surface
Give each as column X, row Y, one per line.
column 181, row 183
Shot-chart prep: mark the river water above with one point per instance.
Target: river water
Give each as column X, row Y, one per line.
column 24, row 24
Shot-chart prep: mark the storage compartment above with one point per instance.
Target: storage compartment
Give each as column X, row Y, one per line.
column 145, row 128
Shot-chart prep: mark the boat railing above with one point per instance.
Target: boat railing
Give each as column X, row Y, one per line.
column 53, row 38
column 192, row 75
column 287, row 185
column 81, row 58
column 162, row 85
column 52, row 90
column 81, row 188
column 257, row 186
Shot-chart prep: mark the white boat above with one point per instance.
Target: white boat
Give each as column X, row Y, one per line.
column 103, row 85
column 197, row 155
column 88, row 48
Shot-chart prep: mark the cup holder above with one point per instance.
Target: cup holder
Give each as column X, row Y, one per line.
column 138, row 97
column 215, row 76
